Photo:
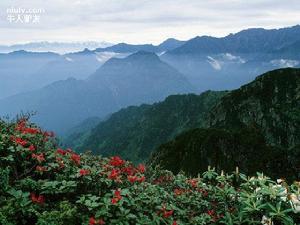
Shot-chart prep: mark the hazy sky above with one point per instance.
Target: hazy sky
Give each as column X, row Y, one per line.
column 138, row 21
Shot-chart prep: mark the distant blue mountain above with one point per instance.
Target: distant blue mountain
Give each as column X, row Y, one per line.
column 57, row 47
column 17, row 67
column 23, row 71
column 254, row 40
column 139, row 78
column 167, row 45
column 231, row 61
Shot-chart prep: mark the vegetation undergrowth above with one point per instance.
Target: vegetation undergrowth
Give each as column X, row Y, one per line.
column 44, row 184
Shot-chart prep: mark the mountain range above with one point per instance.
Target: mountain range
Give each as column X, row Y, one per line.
column 167, row 45
column 139, row 78
column 57, row 47
column 126, row 75
column 135, row 131
column 256, row 127
column 236, row 59
column 245, row 126
column 17, row 75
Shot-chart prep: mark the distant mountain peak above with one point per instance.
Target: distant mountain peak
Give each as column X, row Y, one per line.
column 252, row 40
column 138, row 58
column 86, row 51
column 24, row 52
column 143, row 55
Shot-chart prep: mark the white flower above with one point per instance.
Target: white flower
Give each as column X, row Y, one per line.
column 266, row 220
column 280, row 181
column 295, row 202
column 282, row 192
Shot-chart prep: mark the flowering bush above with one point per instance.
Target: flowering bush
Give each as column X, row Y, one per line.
column 44, row 184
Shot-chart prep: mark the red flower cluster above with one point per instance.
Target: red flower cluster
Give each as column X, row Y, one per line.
column 31, row 148
column 163, row 179
column 41, row 168
column 30, row 130
column 180, row 191
column 117, row 197
column 116, row 161
column 193, row 182
column 114, row 174
column 76, row 158
column 39, row 157
column 21, row 127
column 39, row 199
column 133, row 179
column 203, row 191
column 93, row 221
column 165, row 213
column 116, row 169
column 214, row 216
column 61, row 151
column 60, row 162
column 18, row 141
column 84, row 172
column 141, row 168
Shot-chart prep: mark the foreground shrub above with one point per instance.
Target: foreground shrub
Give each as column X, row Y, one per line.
column 43, row 184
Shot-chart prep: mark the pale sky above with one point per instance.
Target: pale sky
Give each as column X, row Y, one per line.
column 139, row 21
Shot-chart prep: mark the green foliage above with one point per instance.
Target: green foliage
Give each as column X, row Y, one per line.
column 43, row 184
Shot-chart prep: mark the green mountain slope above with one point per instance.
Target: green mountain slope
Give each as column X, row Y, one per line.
column 135, row 131
column 271, row 102
column 255, row 127
column 193, row 151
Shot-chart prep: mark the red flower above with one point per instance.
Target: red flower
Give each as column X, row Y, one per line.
column 69, row 150
column 141, row 179
column 39, row 199
column 193, row 182
column 31, row 148
column 84, row 172
column 174, row 222
column 21, row 125
column 114, row 174
column 75, row 158
column 117, row 197
column 30, row 130
column 114, row 201
column 130, row 171
column 116, row 161
column 101, row 222
column 167, row 214
column 178, row 191
column 211, row 212
column 61, row 151
column 132, row 179
column 39, row 157
column 41, row 168
column 20, row 141
column 141, row 168
column 93, row 221
column 60, row 162
column 118, row 194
